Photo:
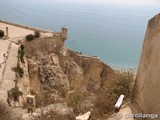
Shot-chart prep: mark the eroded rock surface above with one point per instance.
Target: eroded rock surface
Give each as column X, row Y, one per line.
column 52, row 67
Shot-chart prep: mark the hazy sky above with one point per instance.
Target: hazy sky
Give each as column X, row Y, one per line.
column 141, row 2
column 127, row 2
column 151, row 3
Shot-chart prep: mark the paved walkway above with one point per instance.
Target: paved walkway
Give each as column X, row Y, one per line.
column 4, row 45
column 9, row 48
column 6, row 74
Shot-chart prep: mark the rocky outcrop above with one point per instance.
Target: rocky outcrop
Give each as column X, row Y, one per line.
column 148, row 76
column 43, row 65
column 52, row 67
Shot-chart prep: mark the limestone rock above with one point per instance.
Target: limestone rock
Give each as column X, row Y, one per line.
column 51, row 67
column 84, row 116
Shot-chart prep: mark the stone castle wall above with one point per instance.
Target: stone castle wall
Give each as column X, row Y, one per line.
column 147, row 91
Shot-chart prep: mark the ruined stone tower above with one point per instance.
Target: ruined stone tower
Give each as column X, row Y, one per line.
column 64, row 33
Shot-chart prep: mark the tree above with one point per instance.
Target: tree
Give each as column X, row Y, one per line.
column 1, row 33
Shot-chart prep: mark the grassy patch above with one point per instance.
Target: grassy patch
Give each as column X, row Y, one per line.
column 120, row 83
column 75, row 99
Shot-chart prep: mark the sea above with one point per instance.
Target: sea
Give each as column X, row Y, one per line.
column 112, row 31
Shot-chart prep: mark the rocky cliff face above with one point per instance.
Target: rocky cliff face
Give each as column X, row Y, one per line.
column 148, row 75
column 55, row 69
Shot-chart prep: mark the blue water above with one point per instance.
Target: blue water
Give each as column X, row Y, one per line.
column 114, row 32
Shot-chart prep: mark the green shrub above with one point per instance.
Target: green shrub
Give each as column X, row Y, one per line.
column 1, row 33
column 22, row 47
column 36, row 34
column 30, row 37
column 16, row 93
column 21, row 53
column 18, row 70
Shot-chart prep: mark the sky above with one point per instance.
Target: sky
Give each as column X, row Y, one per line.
column 132, row 2
column 147, row 3
column 127, row 2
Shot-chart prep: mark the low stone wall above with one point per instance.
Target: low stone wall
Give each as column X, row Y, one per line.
column 74, row 53
column 26, row 27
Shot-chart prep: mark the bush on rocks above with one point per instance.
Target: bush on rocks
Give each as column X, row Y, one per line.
column 30, row 37
column 1, row 33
